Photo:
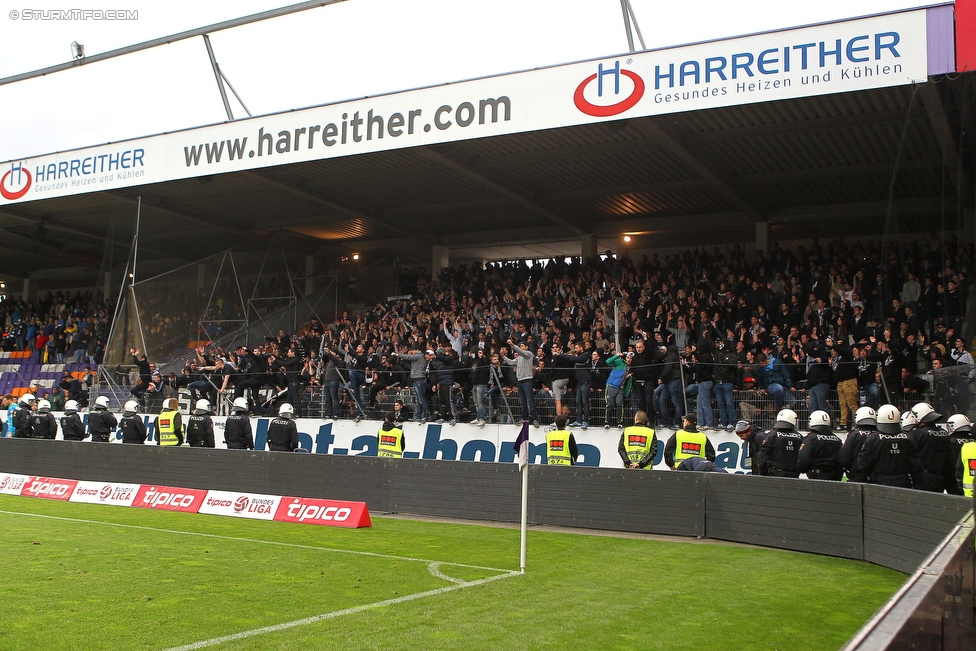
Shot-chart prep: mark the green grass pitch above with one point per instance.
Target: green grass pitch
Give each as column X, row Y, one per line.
column 82, row 576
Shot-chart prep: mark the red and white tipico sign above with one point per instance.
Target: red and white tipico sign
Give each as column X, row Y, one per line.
column 167, row 498
column 49, row 488
column 333, row 513
column 302, row 510
column 241, row 505
column 12, row 484
column 99, row 492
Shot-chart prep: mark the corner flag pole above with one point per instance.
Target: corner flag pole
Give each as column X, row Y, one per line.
column 525, row 515
column 522, row 459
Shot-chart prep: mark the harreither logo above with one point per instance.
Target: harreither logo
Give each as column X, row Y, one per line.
column 15, row 182
column 608, row 96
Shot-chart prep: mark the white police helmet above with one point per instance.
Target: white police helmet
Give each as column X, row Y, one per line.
column 27, row 398
column 101, row 401
column 286, row 410
column 819, row 418
column 71, row 407
column 925, row 413
column 240, row 404
column 785, row 419
column 866, row 416
column 889, row 420
column 130, row 407
column 202, row 406
column 44, row 406
column 959, row 423
column 909, row 421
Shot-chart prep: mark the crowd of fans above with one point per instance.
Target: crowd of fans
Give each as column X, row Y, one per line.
column 479, row 341
column 57, row 329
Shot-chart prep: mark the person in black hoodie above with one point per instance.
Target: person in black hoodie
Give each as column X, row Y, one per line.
column 818, row 375
column 479, row 384
column 669, row 387
column 581, row 362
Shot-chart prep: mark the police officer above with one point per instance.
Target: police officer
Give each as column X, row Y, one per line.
column 71, row 426
column 966, row 465
column 132, row 426
column 779, row 452
column 687, row 442
column 865, row 422
column 753, row 437
column 20, row 417
column 42, row 423
column 934, row 451
column 237, row 427
column 638, row 444
column 169, row 424
column 818, row 456
column 960, row 433
column 282, row 432
column 561, row 445
column 389, row 439
column 887, row 456
column 101, row 422
column 199, row 427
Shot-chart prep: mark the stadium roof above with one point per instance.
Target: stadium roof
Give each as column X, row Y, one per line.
column 810, row 161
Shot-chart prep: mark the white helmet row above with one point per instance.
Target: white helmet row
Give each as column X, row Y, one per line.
column 785, row 419
column 240, row 404
column 959, row 423
column 818, row 418
column 101, row 401
column 27, row 398
column 130, row 407
column 925, row 413
column 202, row 406
column 286, row 410
column 71, row 407
column 866, row 416
column 889, row 420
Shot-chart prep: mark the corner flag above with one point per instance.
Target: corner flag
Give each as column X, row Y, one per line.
column 522, row 445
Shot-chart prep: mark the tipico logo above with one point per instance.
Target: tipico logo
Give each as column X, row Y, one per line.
column 15, row 182
column 615, row 91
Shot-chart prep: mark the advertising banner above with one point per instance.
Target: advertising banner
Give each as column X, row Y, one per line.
column 241, row 505
column 100, row 492
column 49, row 488
column 332, row 513
column 12, row 484
column 167, row 498
column 875, row 52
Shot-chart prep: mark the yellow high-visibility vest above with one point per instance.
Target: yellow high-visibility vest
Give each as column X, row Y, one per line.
column 557, row 448
column 390, row 443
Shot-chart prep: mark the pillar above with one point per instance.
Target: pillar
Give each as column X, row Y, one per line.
column 27, row 290
column 968, row 236
column 201, row 277
column 309, row 266
column 589, row 246
column 762, row 237
column 441, row 260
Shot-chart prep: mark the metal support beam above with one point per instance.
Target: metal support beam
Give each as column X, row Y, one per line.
column 173, row 38
column 944, row 138
column 628, row 12
column 525, row 202
column 299, row 191
column 219, row 77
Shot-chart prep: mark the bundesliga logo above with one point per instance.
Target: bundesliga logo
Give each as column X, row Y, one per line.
column 105, row 493
column 240, row 503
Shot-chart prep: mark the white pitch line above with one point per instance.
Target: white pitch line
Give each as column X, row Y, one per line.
column 259, row 541
column 435, row 570
column 339, row 613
